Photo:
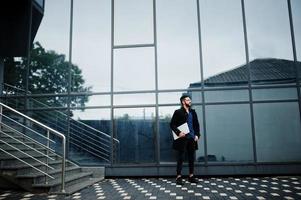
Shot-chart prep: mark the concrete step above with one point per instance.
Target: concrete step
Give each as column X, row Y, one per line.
column 9, row 161
column 77, row 187
column 55, row 185
column 25, row 169
column 39, row 178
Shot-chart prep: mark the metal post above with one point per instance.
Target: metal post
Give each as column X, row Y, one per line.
column 157, row 128
column 47, row 159
column 297, row 72
column 63, row 164
column 69, row 77
column 203, row 85
column 249, row 80
column 1, row 111
column 1, row 75
column 112, row 82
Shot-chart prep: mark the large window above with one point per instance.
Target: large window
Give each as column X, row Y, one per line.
column 89, row 137
column 135, row 128
column 91, row 45
column 167, row 154
column 222, row 36
column 178, row 44
column 277, row 128
column 268, row 29
column 133, row 22
column 118, row 95
column 53, row 33
column 134, row 69
column 229, row 136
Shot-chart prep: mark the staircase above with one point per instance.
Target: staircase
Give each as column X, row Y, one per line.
column 87, row 145
column 32, row 156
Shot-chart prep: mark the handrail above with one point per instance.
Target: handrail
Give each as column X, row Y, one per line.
column 43, row 104
column 81, row 128
column 24, row 161
column 26, row 154
column 90, row 151
column 26, row 145
column 14, row 87
column 92, row 144
column 103, row 143
column 26, row 127
column 78, row 121
column 48, row 129
column 76, row 126
column 29, row 138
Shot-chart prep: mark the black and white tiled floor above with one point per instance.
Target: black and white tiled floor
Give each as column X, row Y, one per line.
column 165, row 188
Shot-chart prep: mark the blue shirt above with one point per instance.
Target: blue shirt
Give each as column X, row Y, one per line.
column 190, row 126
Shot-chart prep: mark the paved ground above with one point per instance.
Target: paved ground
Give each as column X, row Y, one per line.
column 162, row 188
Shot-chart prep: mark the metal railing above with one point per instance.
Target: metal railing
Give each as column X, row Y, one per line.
column 49, row 131
column 81, row 135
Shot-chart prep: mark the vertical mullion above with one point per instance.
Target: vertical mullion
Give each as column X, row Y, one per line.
column 249, row 80
column 202, row 81
column 297, row 72
column 112, row 81
column 157, row 135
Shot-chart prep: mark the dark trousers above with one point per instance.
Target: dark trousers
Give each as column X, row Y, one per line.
column 190, row 148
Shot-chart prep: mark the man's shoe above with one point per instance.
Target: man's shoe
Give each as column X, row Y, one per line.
column 192, row 179
column 179, row 181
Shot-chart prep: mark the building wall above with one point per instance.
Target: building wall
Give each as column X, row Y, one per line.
column 138, row 62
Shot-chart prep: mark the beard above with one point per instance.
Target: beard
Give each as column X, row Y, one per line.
column 188, row 105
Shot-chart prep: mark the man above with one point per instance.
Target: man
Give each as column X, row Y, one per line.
column 185, row 142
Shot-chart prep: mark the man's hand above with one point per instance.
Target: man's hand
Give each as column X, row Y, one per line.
column 196, row 138
column 182, row 134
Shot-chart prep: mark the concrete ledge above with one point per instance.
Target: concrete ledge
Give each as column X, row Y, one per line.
column 98, row 172
column 211, row 170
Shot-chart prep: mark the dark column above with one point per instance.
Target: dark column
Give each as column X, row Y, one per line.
column 1, row 74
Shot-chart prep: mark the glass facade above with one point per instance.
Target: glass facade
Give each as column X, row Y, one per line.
column 120, row 68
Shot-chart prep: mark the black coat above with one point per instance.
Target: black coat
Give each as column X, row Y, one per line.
column 180, row 117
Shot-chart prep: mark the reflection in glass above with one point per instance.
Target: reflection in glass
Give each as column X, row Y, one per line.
column 275, row 94
column 277, row 129
column 53, row 33
column 133, row 22
column 167, row 154
column 47, row 102
column 89, row 136
column 226, row 95
column 91, row 44
column 170, row 97
column 134, row 69
column 174, row 97
column 134, row 99
column 229, row 135
column 268, row 29
column 135, row 129
column 272, row 72
column 222, row 36
column 40, row 3
column 91, row 100
column 178, row 45
column 50, row 54
column 200, row 153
